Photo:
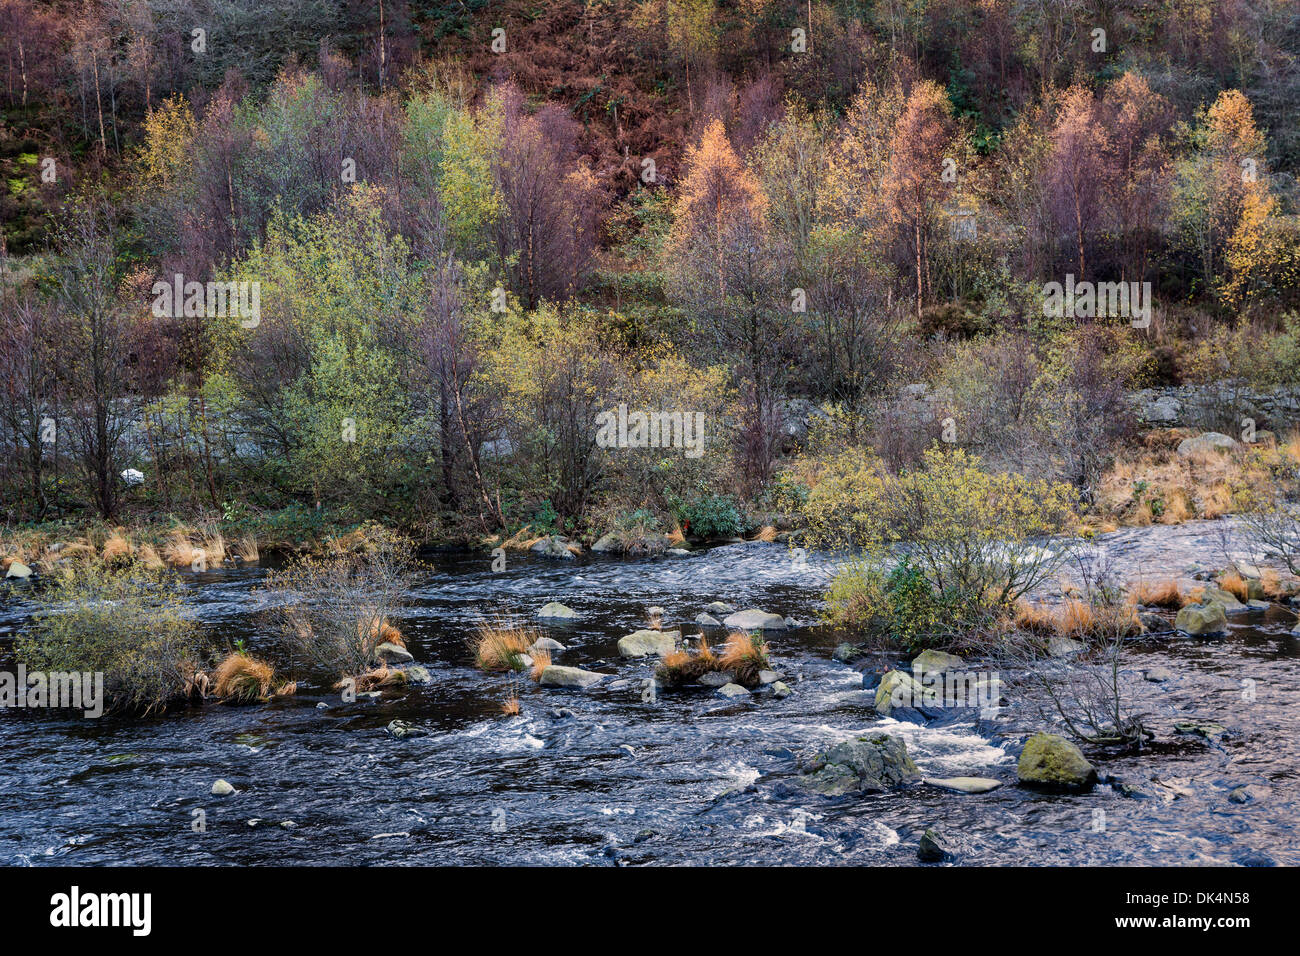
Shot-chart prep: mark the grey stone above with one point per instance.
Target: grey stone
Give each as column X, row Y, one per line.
column 647, row 642
column 222, row 788
column 558, row 676
column 555, row 611
column 754, row 620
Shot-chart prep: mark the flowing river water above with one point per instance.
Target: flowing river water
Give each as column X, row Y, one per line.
column 602, row 777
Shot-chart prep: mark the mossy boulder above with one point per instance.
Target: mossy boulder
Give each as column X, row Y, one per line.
column 866, row 764
column 1225, row 598
column 898, row 689
column 936, row 662
column 1202, row 619
column 1052, row 762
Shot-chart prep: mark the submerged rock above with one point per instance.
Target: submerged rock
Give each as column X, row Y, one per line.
column 753, row 619
column 965, row 784
column 1051, row 761
column 1158, row 675
column 555, row 611
column 402, row 729
column 861, row 765
column 933, row 848
column 732, row 691
column 1202, row 619
column 645, row 643
column 558, row 676
column 781, row 690
column 222, row 788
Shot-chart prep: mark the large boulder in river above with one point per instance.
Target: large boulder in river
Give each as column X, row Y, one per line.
column 861, row 765
column 558, row 676
column 754, row 620
column 1052, row 762
column 555, row 611
column 552, row 547
column 1228, row 600
column 898, row 689
column 1206, row 443
column 1202, row 619
column 935, row 662
column 645, row 643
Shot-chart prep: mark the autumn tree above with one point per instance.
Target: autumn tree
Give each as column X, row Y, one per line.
column 1074, row 171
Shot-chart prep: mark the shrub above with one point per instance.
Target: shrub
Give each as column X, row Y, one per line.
column 330, row 613
column 128, row 624
column 971, row 543
column 713, row 516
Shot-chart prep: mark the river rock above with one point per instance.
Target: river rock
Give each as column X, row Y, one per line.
column 1052, row 762
column 847, row 653
column 1248, row 794
column 1202, row 619
column 707, row 620
column 861, row 765
column 647, row 642
column 401, row 729
column 19, row 571
column 415, row 674
column 768, row 677
column 754, row 620
column 1158, row 675
column 552, row 547
column 391, row 653
column 1153, row 623
column 965, row 784
column 555, row 611
column 719, row 608
column 898, row 689
column 781, row 690
column 716, row 678
column 606, row 543
column 678, row 552
column 1206, row 442
column 1219, row 596
column 557, row 676
column 732, row 691
column 933, row 848
column 546, row 644
column 222, row 788
column 935, row 662
column 1059, row 646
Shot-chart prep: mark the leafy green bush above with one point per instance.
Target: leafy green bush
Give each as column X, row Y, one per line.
column 714, row 516
column 971, row 543
column 130, row 625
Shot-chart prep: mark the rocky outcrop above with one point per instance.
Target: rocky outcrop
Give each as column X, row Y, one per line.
column 860, row 765
column 1206, row 443
column 1191, row 405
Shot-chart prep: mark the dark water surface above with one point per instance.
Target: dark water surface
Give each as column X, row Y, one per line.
column 688, row 779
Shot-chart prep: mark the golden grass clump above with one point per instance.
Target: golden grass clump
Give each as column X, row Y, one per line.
column 499, row 647
column 744, row 656
column 382, row 631
column 148, row 556
column 675, row 538
column 683, row 667
column 1235, row 584
column 511, row 708
column 1034, row 619
column 117, row 549
column 765, row 533
column 245, row 549
column 243, row 679
column 1163, row 593
column 541, row 660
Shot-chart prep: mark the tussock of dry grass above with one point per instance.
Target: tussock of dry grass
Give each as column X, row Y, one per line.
column 1163, row 593
column 541, row 661
column 245, row 549
column 765, row 533
column 499, row 647
column 243, row 679
column 744, row 655
column 1076, row 619
column 510, row 707
column 1235, row 584
column 684, row 667
column 117, row 549
column 675, row 538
